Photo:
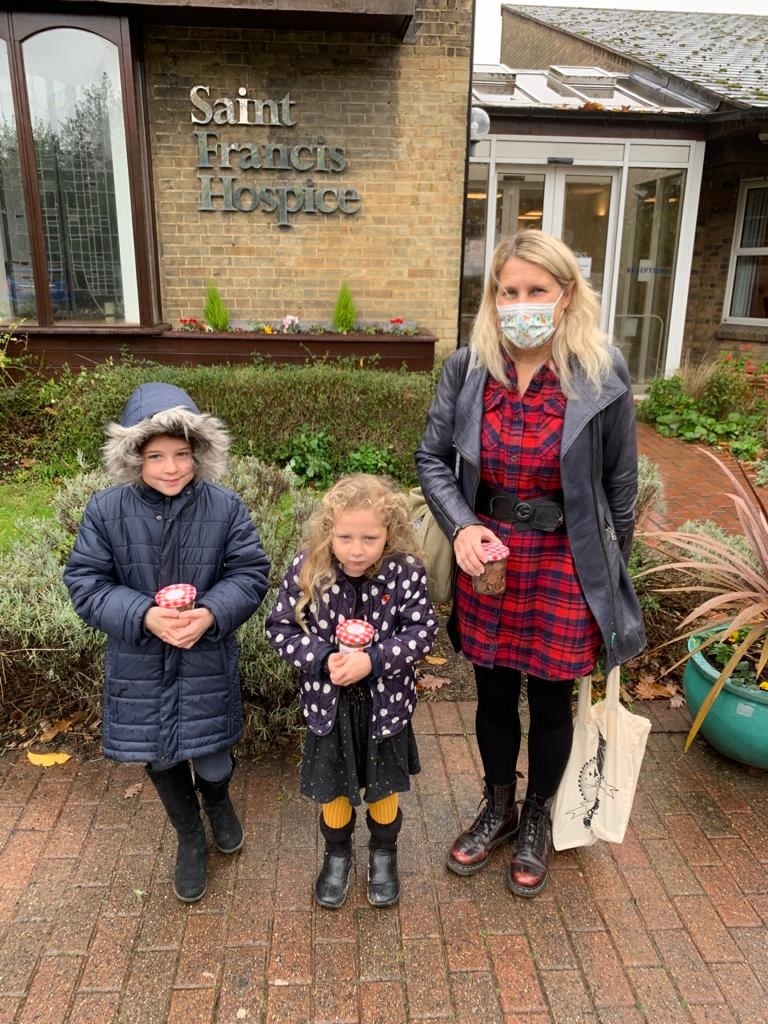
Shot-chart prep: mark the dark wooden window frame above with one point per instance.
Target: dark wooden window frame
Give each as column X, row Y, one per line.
column 15, row 29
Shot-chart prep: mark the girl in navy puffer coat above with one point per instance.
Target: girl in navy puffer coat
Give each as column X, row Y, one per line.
column 357, row 571
column 172, row 684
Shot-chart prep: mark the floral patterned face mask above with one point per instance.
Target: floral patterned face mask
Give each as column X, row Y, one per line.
column 528, row 324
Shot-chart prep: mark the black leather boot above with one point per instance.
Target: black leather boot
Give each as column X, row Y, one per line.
column 495, row 824
column 383, row 880
column 529, row 869
column 226, row 828
column 333, row 881
column 177, row 794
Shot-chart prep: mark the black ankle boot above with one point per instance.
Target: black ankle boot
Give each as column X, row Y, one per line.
column 333, row 881
column 529, row 869
column 227, row 830
column 383, row 879
column 495, row 824
column 177, row 794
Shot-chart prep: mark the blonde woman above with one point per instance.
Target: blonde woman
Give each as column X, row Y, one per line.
column 541, row 415
column 358, row 564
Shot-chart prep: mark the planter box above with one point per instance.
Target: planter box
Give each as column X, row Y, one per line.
column 737, row 723
column 79, row 347
column 416, row 352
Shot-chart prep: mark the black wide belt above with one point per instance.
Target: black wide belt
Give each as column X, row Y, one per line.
column 544, row 514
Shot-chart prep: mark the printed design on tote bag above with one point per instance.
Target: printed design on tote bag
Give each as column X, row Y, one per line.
column 592, row 783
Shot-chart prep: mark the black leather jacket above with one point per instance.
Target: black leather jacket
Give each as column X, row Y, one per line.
column 598, row 441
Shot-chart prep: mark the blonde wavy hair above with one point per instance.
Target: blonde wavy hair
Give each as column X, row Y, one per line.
column 577, row 338
column 358, row 491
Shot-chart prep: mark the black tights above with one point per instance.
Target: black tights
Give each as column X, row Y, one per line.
column 497, row 724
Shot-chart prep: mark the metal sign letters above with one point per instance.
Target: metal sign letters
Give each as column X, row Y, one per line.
column 226, row 169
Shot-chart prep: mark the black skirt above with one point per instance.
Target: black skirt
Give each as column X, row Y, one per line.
column 349, row 760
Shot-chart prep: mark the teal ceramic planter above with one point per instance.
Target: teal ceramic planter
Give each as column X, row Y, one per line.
column 737, row 723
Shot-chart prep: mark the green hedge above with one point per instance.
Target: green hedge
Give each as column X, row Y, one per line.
column 264, row 405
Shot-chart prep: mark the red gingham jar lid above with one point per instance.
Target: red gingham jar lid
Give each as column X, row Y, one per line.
column 354, row 633
column 495, row 551
column 177, row 595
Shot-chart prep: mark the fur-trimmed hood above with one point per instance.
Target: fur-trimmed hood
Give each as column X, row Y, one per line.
column 159, row 408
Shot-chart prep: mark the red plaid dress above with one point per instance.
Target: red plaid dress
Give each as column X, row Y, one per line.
column 541, row 624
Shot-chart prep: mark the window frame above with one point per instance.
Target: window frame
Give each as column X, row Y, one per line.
column 15, row 29
column 738, row 250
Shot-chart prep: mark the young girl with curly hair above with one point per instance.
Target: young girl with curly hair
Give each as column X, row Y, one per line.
column 357, row 569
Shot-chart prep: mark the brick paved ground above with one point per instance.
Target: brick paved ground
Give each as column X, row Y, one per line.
column 670, row 927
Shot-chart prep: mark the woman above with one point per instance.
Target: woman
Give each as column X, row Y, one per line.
column 539, row 417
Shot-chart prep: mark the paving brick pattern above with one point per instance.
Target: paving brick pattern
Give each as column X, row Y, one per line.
column 671, row 926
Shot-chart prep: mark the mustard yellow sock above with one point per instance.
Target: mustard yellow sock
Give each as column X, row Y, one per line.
column 338, row 812
column 384, row 811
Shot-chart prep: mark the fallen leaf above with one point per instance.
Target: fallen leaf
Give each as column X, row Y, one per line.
column 430, row 682
column 434, row 659
column 47, row 760
column 133, row 790
column 63, row 725
column 647, row 688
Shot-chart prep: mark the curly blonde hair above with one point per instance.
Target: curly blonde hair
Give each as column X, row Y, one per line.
column 360, row 490
column 578, row 336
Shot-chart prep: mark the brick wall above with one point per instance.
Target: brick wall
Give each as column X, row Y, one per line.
column 399, row 112
column 728, row 163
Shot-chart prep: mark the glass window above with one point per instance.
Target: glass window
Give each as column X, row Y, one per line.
column 17, row 286
column 748, row 299
column 475, row 212
column 73, row 184
column 76, row 110
column 646, row 273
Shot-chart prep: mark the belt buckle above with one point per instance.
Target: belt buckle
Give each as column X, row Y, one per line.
column 523, row 512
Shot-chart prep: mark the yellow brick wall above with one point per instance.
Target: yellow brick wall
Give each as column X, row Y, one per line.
column 398, row 109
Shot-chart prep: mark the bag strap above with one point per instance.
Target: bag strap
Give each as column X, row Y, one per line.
column 612, row 687
column 584, row 705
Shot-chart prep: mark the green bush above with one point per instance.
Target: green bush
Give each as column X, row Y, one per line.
column 52, row 663
column 726, row 410
column 345, row 313
column 215, row 312
column 265, row 406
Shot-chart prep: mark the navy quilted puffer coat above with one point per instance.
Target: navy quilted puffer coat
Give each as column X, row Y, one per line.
column 162, row 703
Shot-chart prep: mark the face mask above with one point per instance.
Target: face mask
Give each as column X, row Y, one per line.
column 528, row 324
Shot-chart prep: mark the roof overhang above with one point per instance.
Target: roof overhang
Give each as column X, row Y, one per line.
column 392, row 17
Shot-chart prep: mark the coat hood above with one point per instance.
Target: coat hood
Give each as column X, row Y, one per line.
column 159, row 408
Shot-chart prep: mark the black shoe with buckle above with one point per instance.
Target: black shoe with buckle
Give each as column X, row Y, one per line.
column 529, row 870
column 494, row 825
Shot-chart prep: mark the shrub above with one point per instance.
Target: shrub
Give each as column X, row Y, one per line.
column 264, row 405
column 52, row 663
column 720, row 404
column 215, row 311
column 650, row 489
column 345, row 314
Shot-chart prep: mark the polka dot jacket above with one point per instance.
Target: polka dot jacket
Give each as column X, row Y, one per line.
column 395, row 601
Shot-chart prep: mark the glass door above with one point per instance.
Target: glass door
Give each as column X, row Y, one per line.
column 577, row 206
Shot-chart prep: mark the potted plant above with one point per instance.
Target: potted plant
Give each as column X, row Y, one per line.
column 726, row 633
